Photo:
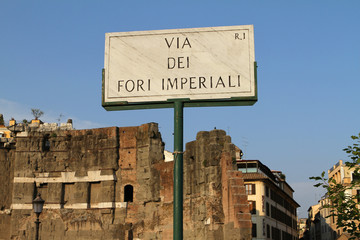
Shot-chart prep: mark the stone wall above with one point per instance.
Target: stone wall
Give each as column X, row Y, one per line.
column 6, row 186
column 113, row 183
column 215, row 198
column 74, row 172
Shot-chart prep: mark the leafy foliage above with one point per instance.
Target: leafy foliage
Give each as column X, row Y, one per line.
column 344, row 206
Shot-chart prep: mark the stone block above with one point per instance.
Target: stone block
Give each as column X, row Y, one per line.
column 54, row 191
column 23, row 193
column 5, row 226
column 107, row 191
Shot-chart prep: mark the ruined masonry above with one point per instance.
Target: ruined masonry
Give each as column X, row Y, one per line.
column 113, row 183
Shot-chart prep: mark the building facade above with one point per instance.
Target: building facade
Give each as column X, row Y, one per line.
column 321, row 225
column 345, row 176
column 4, row 131
column 302, row 228
column 314, row 222
column 273, row 208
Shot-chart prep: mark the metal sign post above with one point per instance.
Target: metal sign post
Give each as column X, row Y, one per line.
column 178, row 169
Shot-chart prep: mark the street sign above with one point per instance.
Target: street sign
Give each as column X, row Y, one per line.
column 179, row 68
column 202, row 66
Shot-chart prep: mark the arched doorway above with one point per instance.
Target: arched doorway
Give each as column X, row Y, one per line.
column 128, row 193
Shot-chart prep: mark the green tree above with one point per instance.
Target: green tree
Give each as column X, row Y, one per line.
column 344, row 206
column 36, row 113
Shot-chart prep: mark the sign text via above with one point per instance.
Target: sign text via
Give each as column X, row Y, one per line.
column 180, row 61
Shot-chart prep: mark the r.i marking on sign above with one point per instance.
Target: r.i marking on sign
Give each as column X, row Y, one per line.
column 237, row 36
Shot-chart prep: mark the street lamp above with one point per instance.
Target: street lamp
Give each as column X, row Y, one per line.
column 38, row 204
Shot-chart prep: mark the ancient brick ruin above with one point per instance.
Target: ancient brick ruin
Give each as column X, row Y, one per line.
column 113, row 183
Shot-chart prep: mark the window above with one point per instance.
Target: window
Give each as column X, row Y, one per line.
column 46, row 143
column 248, row 167
column 267, row 209
column 268, row 235
column 250, row 189
column 272, row 195
column 128, row 193
column 276, row 235
column 253, row 230
column 252, row 207
column 286, row 236
column 273, row 212
column 356, row 177
column 267, row 191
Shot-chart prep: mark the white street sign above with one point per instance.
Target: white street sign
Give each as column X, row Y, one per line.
column 197, row 63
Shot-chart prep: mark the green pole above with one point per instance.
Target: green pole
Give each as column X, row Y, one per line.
column 178, row 170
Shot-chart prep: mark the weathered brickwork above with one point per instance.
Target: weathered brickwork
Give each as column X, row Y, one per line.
column 214, row 190
column 6, row 186
column 113, row 183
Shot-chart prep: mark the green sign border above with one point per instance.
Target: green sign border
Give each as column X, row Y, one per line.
column 233, row 101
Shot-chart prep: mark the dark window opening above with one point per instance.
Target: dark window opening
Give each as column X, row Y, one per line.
column 46, row 143
column 356, row 177
column 252, row 207
column 128, row 193
column 253, row 230
column 252, row 165
column 275, row 233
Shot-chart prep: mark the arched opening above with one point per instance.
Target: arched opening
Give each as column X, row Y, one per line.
column 128, row 193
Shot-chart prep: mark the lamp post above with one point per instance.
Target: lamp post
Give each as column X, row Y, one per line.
column 38, row 204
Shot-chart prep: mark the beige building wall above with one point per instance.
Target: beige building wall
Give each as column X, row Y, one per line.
column 4, row 132
column 320, row 224
column 272, row 219
column 344, row 175
column 327, row 233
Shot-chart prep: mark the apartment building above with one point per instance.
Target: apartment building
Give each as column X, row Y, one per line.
column 301, row 227
column 321, row 225
column 273, row 207
column 344, row 175
column 314, row 222
column 327, row 233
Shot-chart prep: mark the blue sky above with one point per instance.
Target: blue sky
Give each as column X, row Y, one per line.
column 308, row 53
